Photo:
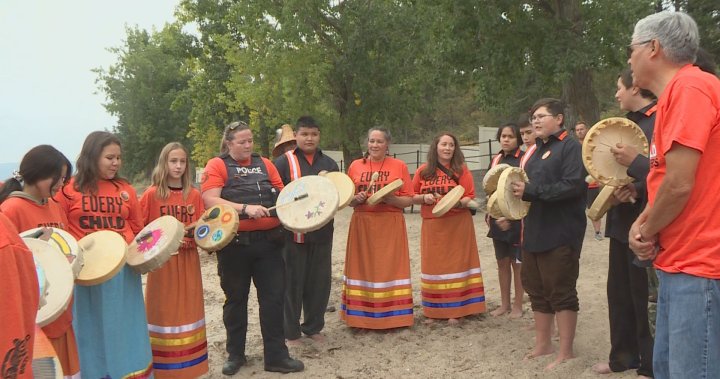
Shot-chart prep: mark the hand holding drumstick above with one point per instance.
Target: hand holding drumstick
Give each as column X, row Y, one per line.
column 373, row 178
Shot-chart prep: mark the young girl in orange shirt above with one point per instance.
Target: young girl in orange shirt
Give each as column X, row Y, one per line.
column 174, row 292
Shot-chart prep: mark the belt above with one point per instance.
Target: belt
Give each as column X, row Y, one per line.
column 248, row 237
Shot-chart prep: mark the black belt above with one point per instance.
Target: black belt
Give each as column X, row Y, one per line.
column 248, row 237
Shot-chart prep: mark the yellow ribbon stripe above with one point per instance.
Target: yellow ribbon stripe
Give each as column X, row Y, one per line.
column 449, row 286
column 378, row 295
column 178, row 341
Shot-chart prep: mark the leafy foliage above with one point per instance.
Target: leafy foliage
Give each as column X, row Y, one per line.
column 414, row 67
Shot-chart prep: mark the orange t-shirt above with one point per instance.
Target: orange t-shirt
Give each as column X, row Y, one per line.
column 390, row 169
column 20, row 296
column 115, row 207
column 688, row 113
column 26, row 214
column 215, row 176
column 442, row 184
column 187, row 211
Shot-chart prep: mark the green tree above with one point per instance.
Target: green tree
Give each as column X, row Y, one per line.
column 146, row 90
column 354, row 64
column 517, row 52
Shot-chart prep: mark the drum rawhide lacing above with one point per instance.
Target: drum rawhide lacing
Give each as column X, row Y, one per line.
column 604, row 135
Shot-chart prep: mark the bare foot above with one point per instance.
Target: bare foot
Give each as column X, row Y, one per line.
column 428, row 321
column 559, row 359
column 539, row 351
column 453, row 321
column 293, row 343
column 644, row 377
column 516, row 312
column 601, row 368
column 499, row 311
column 317, row 337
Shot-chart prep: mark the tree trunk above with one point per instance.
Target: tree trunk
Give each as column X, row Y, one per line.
column 579, row 94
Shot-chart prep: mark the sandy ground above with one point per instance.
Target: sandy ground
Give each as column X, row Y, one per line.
column 481, row 346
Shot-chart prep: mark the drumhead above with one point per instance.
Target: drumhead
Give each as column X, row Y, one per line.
column 153, row 246
column 59, row 277
column 307, row 203
column 66, row 244
column 382, row 192
column 344, row 185
column 596, row 155
column 104, row 253
column 216, row 227
column 490, row 180
column 448, row 202
column 602, row 203
column 510, row 206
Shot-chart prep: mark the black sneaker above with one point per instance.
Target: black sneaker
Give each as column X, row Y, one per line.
column 286, row 365
column 232, row 365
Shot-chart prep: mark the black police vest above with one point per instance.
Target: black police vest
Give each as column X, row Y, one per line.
column 248, row 184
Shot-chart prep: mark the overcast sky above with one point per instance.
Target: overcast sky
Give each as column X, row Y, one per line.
column 47, row 91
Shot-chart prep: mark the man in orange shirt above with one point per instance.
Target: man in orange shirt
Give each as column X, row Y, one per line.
column 680, row 226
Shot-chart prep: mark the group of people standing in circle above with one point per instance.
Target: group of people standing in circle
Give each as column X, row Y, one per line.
column 112, row 331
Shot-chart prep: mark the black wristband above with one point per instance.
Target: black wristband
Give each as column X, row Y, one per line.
column 242, row 212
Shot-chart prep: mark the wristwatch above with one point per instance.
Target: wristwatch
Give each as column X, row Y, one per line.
column 242, row 212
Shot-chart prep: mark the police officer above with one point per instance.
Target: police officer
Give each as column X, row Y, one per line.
column 249, row 183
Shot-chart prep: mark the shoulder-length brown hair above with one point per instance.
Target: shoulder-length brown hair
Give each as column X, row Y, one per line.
column 88, row 174
column 456, row 162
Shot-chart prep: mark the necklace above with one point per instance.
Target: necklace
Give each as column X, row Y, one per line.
column 372, row 172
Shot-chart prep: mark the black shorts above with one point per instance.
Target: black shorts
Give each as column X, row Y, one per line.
column 507, row 250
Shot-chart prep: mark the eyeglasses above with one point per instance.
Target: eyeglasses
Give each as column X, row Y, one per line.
column 538, row 117
column 630, row 48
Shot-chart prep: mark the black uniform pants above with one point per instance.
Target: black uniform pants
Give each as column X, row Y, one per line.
column 631, row 344
column 307, row 290
column 261, row 260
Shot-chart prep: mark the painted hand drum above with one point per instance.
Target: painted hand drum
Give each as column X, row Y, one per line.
column 67, row 244
column 596, row 155
column 59, row 277
column 602, row 203
column 307, row 203
column 104, row 253
column 511, row 207
column 216, row 228
column 155, row 243
column 490, row 180
column 382, row 192
column 449, row 201
column 344, row 185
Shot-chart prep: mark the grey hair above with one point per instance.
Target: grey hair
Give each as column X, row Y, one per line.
column 385, row 132
column 676, row 32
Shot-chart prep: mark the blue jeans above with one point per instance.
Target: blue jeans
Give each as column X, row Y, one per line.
column 687, row 335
